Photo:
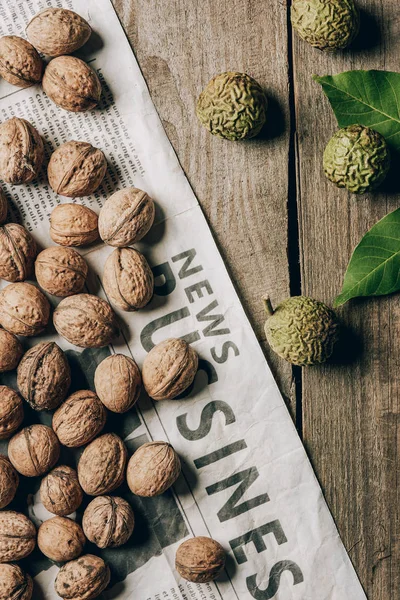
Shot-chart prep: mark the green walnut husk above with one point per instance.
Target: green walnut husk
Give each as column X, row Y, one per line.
column 326, row 24
column 357, row 158
column 301, row 330
column 232, row 106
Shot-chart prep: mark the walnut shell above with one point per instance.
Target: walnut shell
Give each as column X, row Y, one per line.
column 21, row 151
column 126, row 217
column 76, row 169
column 79, row 419
column 60, row 492
column 118, row 382
column 10, row 351
column 128, row 280
column 24, row 310
column 101, row 468
column 82, row 579
column 200, row 559
column 34, row 450
column 17, row 536
column 11, row 412
column 57, row 31
column 61, row 539
column 9, row 482
column 73, row 225
column 44, row 376
column 71, row 84
column 3, row 207
column 17, row 252
column 61, row 271
column 152, row 469
column 20, row 64
column 169, row 369
column 14, row 583
column 86, row 321
column 108, row 521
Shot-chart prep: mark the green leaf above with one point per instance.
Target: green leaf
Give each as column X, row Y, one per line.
column 374, row 268
column 370, row 98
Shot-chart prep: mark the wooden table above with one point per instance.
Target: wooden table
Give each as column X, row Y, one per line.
column 283, row 228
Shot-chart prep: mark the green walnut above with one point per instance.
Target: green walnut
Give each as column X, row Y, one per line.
column 357, row 158
column 232, row 106
column 301, row 330
column 326, row 24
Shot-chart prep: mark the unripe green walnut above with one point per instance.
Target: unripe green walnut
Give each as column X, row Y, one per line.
column 326, row 24
column 232, row 106
column 301, row 330
column 357, row 158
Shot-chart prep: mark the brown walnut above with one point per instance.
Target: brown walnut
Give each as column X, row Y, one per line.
column 9, row 482
column 17, row 536
column 73, row 225
column 20, row 64
column 61, row 539
column 126, row 217
column 86, row 321
column 44, row 376
column 200, row 559
column 58, row 31
column 79, row 419
column 128, row 280
column 71, row 84
column 169, row 369
column 14, row 583
column 60, row 492
column 101, row 468
column 11, row 412
column 118, row 382
column 24, row 310
column 152, row 469
column 21, row 151
column 3, row 207
column 108, row 521
column 82, row 579
column 17, row 252
column 34, row 450
column 10, row 351
column 61, row 271
column 76, row 169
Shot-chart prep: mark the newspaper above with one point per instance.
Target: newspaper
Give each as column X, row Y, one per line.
column 246, row 479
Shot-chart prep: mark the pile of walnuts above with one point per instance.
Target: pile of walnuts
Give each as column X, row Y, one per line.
column 76, row 169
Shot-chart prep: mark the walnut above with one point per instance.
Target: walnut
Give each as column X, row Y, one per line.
column 76, row 169
column 79, row 419
column 9, row 482
column 20, row 64
column 152, row 469
column 34, row 450
column 200, row 559
column 118, row 382
column 60, row 492
column 86, row 321
column 82, row 579
column 169, row 369
column 24, row 310
column 71, row 84
column 21, row 151
column 108, row 521
column 10, row 351
column 61, row 271
column 44, row 376
column 14, row 583
column 17, row 536
column 101, row 468
column 73, row 225
column 57, row 31
column 17, row 252
column 126, row 217
column 61, row 539
column 3, row 207
column 11, row 412
column 128, row 280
